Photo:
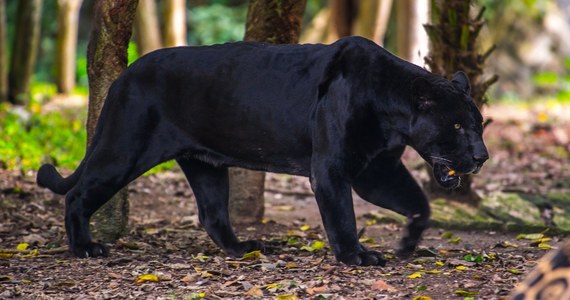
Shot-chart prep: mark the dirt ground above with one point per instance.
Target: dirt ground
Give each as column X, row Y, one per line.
column 165, row 239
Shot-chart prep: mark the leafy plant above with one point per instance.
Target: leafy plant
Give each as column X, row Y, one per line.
column 30, row 138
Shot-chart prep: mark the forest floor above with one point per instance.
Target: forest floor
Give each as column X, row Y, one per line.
column 167, row 255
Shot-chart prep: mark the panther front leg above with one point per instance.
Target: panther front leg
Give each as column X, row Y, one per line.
column 387, row 183
column 334, row 199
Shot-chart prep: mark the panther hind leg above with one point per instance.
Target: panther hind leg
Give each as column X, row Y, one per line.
column 210, row 185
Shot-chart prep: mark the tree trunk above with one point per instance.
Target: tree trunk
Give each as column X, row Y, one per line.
column 106, row 59
column 68, row 23
column 3, row 54
column 366, row 19
column 453, row 36
column 382, row 18
column 174, row 23
column 412, row 40
column 277, row 22
column 147, row 29
column 24, row 50
column 343, row 16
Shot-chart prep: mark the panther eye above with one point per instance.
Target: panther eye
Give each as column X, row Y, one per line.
column 457, row 126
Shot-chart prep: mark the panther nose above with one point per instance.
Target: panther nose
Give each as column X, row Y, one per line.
column 481, row 158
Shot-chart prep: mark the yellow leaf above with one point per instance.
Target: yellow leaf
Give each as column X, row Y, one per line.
column 371, row 222
column 461, row 268
column 532, row 236
column 305, row 227
column 422, row 298
column 146, row 278
column 545, row 246
column 434, row 271
column 315, row 246
column 542, row 240
column 6, row 255
column 439, row 263
column 252, row 255
column 415, row 275
column 366, row 240
column 32, row 254
column 151, row 231
column 206, row 274
column 290, row 265
column 287, row 297
column 22, row 246
column 455, row 240
column 274, row 286
column 202, row 295
column 318, row 245
column 264, row 221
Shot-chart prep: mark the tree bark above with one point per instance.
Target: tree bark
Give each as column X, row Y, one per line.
column 68, row 24
column 24, row 50
column 3, row 54
column 277, row 22
column 106, row 59
column 453, row 33
column 174, row 23
column 147, row 28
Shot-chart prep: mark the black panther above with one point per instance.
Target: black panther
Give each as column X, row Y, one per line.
column 340, row 114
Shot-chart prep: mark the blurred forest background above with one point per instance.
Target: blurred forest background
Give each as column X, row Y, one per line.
column 43, row 77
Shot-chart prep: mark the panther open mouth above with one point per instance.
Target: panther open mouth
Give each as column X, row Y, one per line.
column 445, row 176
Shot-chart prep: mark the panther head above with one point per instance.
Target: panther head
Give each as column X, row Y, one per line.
column 447, row 128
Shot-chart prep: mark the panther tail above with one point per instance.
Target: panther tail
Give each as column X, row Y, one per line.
column 50, row 178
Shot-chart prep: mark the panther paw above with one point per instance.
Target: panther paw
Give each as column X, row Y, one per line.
column 405, row 252
column 90, row 250
column 364, row 258
column 246, row 247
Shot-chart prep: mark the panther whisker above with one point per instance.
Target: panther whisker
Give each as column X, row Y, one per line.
column 440, row 159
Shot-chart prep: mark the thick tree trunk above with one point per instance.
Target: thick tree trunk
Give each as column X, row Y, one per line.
column 24, row 50
column 3, row 54
column 68, row 23
column 277, row 22
column 106, row 59
column 174, row 23
column 453, row 36
column 147, row 28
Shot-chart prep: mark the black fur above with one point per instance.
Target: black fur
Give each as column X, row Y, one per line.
column 340, row 114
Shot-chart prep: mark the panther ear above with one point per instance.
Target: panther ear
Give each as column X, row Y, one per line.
column 423, row 93
column 461, row 80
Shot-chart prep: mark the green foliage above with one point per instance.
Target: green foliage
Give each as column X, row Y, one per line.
column 216, row 23
column 132, row 52
column 28, row 138
column 553, row 84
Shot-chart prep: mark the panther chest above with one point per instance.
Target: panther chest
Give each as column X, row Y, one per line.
column 550, row 280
